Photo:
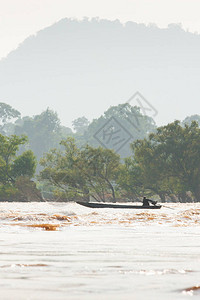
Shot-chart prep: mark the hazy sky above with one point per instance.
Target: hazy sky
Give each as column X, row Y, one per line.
column 21, row 18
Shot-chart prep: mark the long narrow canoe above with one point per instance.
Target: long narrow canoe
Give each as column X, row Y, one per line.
column 110, row 205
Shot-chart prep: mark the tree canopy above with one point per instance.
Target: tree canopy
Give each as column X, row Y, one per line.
column 12, row 165
column 44, row 131
column 7, row 113
column 81, row 173
column 161, row 162
column 124, row 122
column 169, row 161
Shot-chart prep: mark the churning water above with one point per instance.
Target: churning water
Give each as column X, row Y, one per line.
column 66, row 251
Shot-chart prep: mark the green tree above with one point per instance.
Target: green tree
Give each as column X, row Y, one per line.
column 128, row 117
column 81, row 173
column 61, row 169
column 169, row 160
column 24, row 165
column 130, row 180
column 13, row 166
column 80, row 125
column 44, row 132
column 7, row 113
column 189, row 120
column 101, row 167
column 8, row 149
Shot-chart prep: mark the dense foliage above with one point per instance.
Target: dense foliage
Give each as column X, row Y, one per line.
column 163, row 163
column 81, row 173
column 13, row 166
column 129, row 118
column 7, row 113
column 43, row 131
column 168, row 162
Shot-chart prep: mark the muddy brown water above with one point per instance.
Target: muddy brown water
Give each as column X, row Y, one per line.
column 66, row 251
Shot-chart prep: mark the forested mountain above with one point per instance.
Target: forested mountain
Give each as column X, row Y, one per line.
column 75, row 65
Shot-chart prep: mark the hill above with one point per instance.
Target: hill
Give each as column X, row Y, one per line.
column 81, row 67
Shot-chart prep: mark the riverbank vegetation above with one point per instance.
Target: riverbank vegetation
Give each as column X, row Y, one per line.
column 16, row 171
column 162, row 162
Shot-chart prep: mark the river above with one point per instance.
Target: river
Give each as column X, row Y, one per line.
column 66, row 251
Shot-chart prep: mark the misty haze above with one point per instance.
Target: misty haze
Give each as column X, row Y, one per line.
column 83, row 67
column 99, row 150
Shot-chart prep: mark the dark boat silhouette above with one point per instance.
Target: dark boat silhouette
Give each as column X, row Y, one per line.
column 111, row 205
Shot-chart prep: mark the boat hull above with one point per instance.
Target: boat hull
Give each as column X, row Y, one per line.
column 123, row 206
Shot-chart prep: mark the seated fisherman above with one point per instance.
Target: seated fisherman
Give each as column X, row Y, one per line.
column 146, row 202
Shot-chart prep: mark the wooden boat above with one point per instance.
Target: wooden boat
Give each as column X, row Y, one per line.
column 111, row 205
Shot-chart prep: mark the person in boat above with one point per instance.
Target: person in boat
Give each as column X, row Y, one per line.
column 146, row 202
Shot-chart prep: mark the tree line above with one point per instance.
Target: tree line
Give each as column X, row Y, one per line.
column 162, row 162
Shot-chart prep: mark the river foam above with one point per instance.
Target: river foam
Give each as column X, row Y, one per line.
column 66, row 251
